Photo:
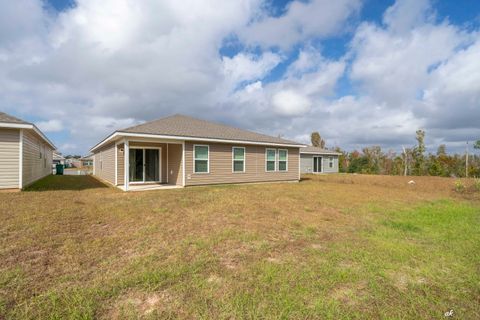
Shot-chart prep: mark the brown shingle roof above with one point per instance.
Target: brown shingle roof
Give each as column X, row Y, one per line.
column 312, row 149
column 11, row 119
column 184, row 126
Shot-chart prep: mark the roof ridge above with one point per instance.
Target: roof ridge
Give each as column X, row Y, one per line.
column 204, row 121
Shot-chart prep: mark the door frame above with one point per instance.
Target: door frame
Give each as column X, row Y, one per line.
column 313, row 164
column 159, row 164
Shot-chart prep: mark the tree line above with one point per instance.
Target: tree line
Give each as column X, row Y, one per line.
column 411, row 161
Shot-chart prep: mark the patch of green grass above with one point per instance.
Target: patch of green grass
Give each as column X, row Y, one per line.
column 401, row 226
column 54, row 182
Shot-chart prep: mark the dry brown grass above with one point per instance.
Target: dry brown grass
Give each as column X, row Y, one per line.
column 208, row 251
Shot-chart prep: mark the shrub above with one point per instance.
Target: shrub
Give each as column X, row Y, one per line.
column 476, row 184
column 459, row 186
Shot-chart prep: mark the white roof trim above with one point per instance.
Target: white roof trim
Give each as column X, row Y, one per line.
column 27, row 126
column 15, row 125
column 183, row 138
column 323, row 153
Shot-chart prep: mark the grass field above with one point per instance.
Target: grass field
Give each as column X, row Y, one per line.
column 329, row 247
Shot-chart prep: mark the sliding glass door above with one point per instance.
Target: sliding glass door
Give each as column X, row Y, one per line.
column 317, row 164
column 144, row 165
column 152, row 172
column 136, row 165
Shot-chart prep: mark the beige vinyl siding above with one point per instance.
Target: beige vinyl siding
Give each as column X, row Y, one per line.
column 9, row 158
column 220, row 155
column 175, row 152
column 37, row 157
column 120, row 164
column 104, row 163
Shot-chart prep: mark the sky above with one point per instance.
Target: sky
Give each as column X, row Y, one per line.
column 361, row 73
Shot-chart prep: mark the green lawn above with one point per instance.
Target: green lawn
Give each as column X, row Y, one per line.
column 54, row 182
column 336, row 247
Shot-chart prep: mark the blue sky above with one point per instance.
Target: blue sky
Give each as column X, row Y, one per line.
column 359, row 72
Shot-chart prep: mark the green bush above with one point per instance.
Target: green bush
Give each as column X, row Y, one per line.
column 459, row 186
column 476, row 184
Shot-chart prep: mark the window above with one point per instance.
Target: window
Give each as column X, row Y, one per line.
column 201, row 159
column 238, row 158
column 270, row 157
column 330, row 162
column 282, row 160
column 39, row 151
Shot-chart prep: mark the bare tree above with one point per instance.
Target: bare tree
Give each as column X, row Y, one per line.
column 405, row 160
column 317, row 140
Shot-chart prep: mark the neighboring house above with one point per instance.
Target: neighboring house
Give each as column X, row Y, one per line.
column 71, row 162
column 87, row 161
column 58, row 158
column 318, row 160
column 25, row 153
column 183, row 151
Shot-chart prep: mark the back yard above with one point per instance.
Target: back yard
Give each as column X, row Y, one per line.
column 328, row 247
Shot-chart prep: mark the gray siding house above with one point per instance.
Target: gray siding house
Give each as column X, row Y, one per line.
column 318, row 160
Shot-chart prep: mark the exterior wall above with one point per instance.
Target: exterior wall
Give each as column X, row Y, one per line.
column 307, row 163
column 9, row 158
column 171, row 161
column 220, row 155
column 104, row 163
column 120, row 164
column 37, row 157
column 175, row 175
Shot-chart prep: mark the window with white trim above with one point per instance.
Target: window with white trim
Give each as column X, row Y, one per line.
column 270, row 157
column 238, row 158
column 201, row 159
column 282, row 160
column 330, row 162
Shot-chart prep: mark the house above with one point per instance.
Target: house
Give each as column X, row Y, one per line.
column 25, row 153
column 86, row 161
column 73, row 162
column 184, row 151
column 318, row 160
column 58, row 158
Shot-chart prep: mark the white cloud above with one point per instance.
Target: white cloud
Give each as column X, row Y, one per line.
column 52, row 125
column 244, row 67
column 105, row 65
column 316, row 18
column 420, row 67
column 404, row 15
column 291, row 103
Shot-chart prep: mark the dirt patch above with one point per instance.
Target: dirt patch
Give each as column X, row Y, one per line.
column 142, row 304
column 349, row 294
column 402, row 279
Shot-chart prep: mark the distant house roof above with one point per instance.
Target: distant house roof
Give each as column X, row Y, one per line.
column 316, row 150
column 6, row 118
column 8, row 121
column 58, row 156
column 188, row 128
